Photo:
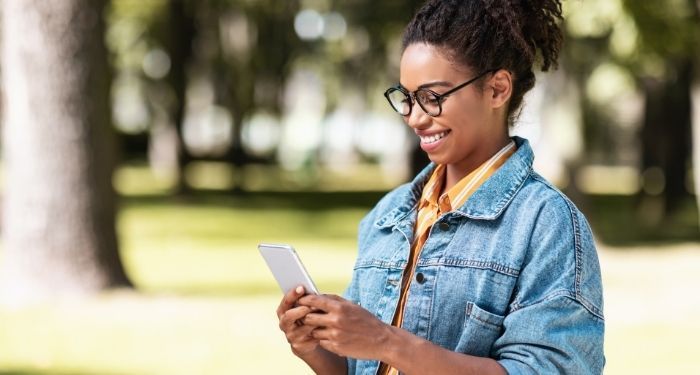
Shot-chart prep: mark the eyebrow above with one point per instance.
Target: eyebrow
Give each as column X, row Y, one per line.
column 431, row 84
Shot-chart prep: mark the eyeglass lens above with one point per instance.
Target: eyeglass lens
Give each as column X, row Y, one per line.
column 401, row 102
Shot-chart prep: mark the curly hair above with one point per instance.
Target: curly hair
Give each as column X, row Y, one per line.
column 488, row 34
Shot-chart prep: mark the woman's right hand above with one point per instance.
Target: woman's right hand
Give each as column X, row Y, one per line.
column 290, row 322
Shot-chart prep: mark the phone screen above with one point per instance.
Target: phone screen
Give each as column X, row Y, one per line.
column 287, row 268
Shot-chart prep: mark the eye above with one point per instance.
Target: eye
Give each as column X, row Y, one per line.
column 426, row 97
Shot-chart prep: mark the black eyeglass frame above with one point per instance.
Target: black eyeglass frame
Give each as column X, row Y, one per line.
column 439, row 97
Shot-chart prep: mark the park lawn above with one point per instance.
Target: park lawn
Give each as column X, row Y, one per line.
column 207, row 302
column 128, row 333
column 651, row 308
column 651, row 326
column 213, row 250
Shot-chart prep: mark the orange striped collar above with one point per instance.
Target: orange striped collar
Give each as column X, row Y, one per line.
column 464, row 188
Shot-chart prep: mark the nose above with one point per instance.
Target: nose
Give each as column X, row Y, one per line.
column 417, row 119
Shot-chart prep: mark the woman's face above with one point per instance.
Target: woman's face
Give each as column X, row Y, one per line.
column 464, row 133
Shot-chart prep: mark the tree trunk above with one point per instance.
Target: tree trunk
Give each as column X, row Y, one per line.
column 696, row 143
column 179, row 45
column 666, row 133
column 59, row 204
column 695, row 99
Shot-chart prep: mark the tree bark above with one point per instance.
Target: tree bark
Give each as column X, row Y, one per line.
column 179, row 45
column 696, row 143
column 59, row 204
column 695, row 98
column 666, row 132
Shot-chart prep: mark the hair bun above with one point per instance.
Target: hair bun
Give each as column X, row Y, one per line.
column 488, row 34
column 540, row 21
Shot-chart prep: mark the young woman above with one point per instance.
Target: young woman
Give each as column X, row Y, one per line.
column 478, row 266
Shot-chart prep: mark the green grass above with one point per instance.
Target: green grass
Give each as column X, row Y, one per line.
column 620, row 220
column 208, row 245
column 207, row 300
column 651, row 308
column 207, row 303
column 126, row 333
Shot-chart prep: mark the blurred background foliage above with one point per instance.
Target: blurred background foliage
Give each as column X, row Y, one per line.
column 246, row 121
column 253, row 96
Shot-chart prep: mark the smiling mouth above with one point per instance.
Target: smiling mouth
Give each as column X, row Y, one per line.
column 434, row 137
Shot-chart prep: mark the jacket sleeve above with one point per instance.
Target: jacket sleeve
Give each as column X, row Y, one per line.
column 352, row 292
column 555, row 321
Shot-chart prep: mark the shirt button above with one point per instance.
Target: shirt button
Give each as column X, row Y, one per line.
column 444, row 226
column 420, row 278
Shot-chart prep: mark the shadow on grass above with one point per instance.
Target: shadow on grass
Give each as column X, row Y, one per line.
column 617, row 220
column 306, row 200
column 620, row 221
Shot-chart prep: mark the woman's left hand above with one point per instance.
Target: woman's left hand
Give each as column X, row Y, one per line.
column 345, row 328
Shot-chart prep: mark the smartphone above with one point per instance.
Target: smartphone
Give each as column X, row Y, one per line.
column 286, row 267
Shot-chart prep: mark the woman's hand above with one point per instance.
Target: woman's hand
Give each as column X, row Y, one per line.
column 345, row 328
column 290, row 322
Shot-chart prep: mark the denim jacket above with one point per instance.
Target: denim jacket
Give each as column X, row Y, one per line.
column 513, row 274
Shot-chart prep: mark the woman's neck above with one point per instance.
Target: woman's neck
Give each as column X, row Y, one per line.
column 457, row 171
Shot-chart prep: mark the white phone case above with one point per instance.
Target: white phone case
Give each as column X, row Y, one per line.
column 287, row 268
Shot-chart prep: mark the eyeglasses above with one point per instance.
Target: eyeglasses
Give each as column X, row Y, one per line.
column 401, row 100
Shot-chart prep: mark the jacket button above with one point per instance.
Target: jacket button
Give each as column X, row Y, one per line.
column 420, row 278
column 444, row 226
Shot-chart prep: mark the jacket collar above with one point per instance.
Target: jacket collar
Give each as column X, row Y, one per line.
column 487, row 202
column 408, row 201
column 492, row 198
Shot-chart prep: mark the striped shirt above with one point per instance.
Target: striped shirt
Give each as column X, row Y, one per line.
column 430, row 207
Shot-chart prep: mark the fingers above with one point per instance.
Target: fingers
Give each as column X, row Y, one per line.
column 319, row 320
column 301, row 340
column 324, row 302
column 289, row 300
column 289, row 318
column 335, row 309
column 296, row 313
column 335, row 297
column 300, row 334
column 321, row 334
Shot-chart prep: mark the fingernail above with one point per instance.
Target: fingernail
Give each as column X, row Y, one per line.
column 300, row 290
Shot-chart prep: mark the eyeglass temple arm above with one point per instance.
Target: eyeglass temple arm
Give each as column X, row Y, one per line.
column 450, row 91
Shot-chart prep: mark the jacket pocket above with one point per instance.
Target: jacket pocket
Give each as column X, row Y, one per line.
column 480, row 331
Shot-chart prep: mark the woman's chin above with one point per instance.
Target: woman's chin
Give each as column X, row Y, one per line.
column 438, row 159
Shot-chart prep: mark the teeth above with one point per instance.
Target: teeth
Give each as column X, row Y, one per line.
column 433, row 138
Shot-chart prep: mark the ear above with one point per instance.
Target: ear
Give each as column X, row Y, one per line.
column 501, row 84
